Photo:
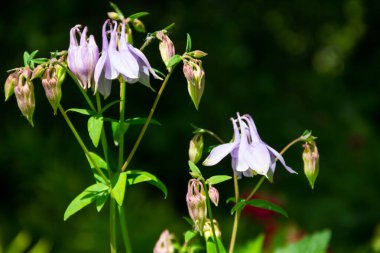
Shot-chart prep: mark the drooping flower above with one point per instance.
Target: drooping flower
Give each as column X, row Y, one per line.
column 250, row 155
column 120, row 58
column 24, row 92
column 196, row 203
column 82, row 57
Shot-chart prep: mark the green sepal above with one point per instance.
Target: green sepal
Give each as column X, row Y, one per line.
column 89, row 195
column 139, row 176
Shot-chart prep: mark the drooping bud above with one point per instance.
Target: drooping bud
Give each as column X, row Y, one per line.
column 10, row 84
column 214, row 195
column 37, row 72
column 196, row 148
column 164, row 243
column 195, row 77
column 311, row 162
column 166, row 47
column 82, row 57
column 196, row 204
column 208, row 230
column 52, row 87
column 24, row 92
column 59, row 72
column 113, row 15
column 188, row 71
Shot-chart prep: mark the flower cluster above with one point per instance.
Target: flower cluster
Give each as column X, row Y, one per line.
column 250, row 155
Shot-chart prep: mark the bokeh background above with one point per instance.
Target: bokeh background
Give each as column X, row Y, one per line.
column 293, row 65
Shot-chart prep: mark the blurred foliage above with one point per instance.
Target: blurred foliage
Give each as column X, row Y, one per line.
column 293, row 65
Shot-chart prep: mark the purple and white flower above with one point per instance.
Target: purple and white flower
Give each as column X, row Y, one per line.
column 120, row 58
column 250, row 155
column 82, row 57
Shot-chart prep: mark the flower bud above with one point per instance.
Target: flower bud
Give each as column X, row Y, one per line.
column 196, row 87
column 138, row 25
column 52, row 87
column 166, row 47
column 10, row 84
column 214, row 195
column 37, row 72
column 188, row 71
column 24, row 92
column 197, row 54
column 196, row 204
column 164, row 243
column 113, row 15
column 311, row 162
column 208, row 230
column 196, row 148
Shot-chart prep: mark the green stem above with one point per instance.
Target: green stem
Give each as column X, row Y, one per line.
column 141, row 135
column 214, row 135
column 81, row 143
column 121, row 122
column 236, row 218
column 113, row 225
column 208, row 202
column 124, row 230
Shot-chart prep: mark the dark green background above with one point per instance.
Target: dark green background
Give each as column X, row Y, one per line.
column 293, row 65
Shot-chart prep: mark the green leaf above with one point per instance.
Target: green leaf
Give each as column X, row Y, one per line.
column 138, row 15
column 117, row 10
column 174, row 61
column 315, row 243
column 95, row 126
column 195, row 172
column 139, row 176
column 211, row 246
column 267, row 205
column 141, row 121
column 26, row 58
column 118, row 130
column 253, row 246
column 82, row 111
column 118, row 187
column 85, row 198
column 238, row 206
column 218, row 179
column 188, row 43
column 190, row 234
column 101, row 200
column 98, row 161
column 31, row 56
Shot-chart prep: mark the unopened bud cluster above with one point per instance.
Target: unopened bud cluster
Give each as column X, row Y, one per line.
column 196, row 148
column 207, row 229
column 311, row 161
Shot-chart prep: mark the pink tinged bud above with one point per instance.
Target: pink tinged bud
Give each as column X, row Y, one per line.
column 196, row 204
column 196, row 148
column 164, row 243
column 197, row 54
column 52, row 87
column 83, row 56
column 214, row 195
column 208, row 230
column 166, row 47
column 37, row 72
column 24, row 92
column 113, row 15
column 196, row 87
column 311, row 162
column 138, row 25
column 10, row 84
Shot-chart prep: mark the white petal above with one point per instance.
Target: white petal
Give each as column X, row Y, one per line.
column 281, row 159
column 218, row 153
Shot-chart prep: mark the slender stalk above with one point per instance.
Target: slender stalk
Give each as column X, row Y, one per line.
column 141, row 135
column 214, row 135
column 236, row 218
column 113, row 225
column 124, row 230
column 208, row 202
column 121, row 122
column 81, row 143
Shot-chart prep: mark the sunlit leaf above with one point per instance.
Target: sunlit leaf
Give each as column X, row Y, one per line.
column 267, row 205
column 118, row 187
column 238, row 206
column 190, row 234
column 211, row 246
column 139, row 176
column 218, row 179
column 118, row 129
column 95, row 126
column 195, row 172
column 101, row 200
column 98, row 161
column 85, row 198
column 253, row 246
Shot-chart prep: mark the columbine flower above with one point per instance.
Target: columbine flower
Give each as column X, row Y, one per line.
column 196, row 203
column 24, row 92
column 164, row 243
column 120, row 58
column 250, row 155
column 82, row 57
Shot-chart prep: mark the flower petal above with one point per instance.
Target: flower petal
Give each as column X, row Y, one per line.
column 281, row 159
column 218, row 153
